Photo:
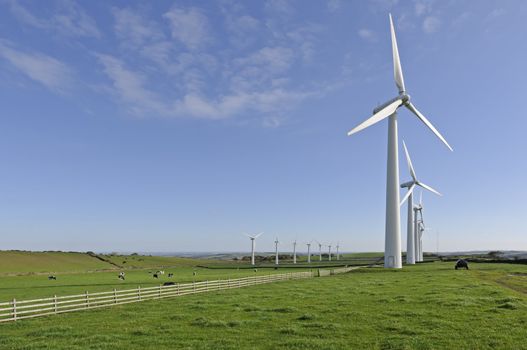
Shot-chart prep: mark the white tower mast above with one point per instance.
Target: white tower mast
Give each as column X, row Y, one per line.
column 309, row 253
column 276, row 251
column 253, row 245
column 294, row 252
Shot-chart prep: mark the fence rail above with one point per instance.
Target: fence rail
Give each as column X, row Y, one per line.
column 22, row 309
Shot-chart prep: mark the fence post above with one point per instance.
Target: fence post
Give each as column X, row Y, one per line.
column 160, row 291
column 229, row 283
column 87, row 300
column 55, row 302
column 14, row 309
column 177, row 288
column 139, row 292
column 114, row 296
column 207, row 285
column 194, row 286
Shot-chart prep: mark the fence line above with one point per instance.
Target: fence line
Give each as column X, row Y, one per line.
column 22, row 309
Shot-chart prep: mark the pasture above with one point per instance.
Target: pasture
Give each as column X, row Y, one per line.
column 426, row 306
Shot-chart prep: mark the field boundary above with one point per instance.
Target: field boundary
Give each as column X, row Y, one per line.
column 23, row 309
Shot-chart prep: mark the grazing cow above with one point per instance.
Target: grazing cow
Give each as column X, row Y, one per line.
column 121, row 276
column 169, row 284
column 194, row 273
column 155, row 275
column 461, row 263
column 170, row 275
column 52, row 277
column 255, row 270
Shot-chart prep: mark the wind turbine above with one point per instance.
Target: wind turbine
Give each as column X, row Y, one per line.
column 253, row 244
column 294, row 252
column 418, row 209
column 308, row 252
column 392, row 242
column 319, row 250
column 276, row 251
column 410, row 237
column 329, row 252
column 338, row 256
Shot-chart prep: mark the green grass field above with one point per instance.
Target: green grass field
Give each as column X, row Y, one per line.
column 427, row 306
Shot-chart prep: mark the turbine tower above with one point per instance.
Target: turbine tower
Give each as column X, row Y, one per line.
column 294, row 252
column 338, row 256
column 418, row 210
column 276, row 251
column 392, row 241
column 329, row 252
column 319, row 251
column 410, row 237
column 253, row 244
column 308, row 252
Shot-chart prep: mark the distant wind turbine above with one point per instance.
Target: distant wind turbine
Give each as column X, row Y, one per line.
column 410, row 237
column 329, row 251
column 392, row 243
column 308, row 252
column 253, row 245
column 294, row 252
column 319, row 250
column 276, row 251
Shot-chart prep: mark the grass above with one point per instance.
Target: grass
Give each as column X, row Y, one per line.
column 23, row 262
column 427, row 306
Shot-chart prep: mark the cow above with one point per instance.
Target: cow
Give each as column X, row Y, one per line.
column 155, row 275
column 461, row 263
column 194, row 273
column 121, row 276
column 170, row 275
column 52, row 277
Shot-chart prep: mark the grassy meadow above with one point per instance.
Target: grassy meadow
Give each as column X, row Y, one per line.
column 426, row 306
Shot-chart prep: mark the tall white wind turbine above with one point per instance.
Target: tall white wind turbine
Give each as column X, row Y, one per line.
column 294, row 252
column 308, row 252
column 338, row 256
column 319, row 251
column 276, row 251
column 253, row 245
column 410, row 237
column 329, row 251
column 392, row 242
column 418, row 211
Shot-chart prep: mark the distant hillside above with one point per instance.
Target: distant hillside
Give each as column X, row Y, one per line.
column 25, row 262
column 21, row 262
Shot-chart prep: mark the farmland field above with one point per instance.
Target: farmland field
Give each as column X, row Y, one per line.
column 427, row 306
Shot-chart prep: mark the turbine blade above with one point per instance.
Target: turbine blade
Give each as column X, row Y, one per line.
column 414, row 110
column 409, row 161
column 377, row 117
column 410, row 190
column 426, row 187
column 397, row 70
column 258, row 235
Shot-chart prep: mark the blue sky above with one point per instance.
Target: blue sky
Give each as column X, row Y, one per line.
column 179, row 125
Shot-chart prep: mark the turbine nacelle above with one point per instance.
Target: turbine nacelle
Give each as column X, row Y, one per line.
column 404, row 98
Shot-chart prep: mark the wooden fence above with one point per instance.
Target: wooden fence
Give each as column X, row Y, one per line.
column 21, row 309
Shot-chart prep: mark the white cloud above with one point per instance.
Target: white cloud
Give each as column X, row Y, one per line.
column 431, row 24
column 68, row 19
column 367, row 34
column 133, row 29
column 44, row 69
column 334, row 5
column 423, row 7
column 189, row 26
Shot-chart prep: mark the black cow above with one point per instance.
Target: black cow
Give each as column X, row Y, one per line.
column 52, row 277
column 461, row 263
column 155, row 275
column 170, row 275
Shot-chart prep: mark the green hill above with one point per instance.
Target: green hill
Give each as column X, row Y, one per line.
column 23, row 262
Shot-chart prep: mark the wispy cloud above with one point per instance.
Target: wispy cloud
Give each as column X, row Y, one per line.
column 67, row 19
column 431, row 24
column 334, row 5
column 46, row 70
column 189, row 26
column 367, row 34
